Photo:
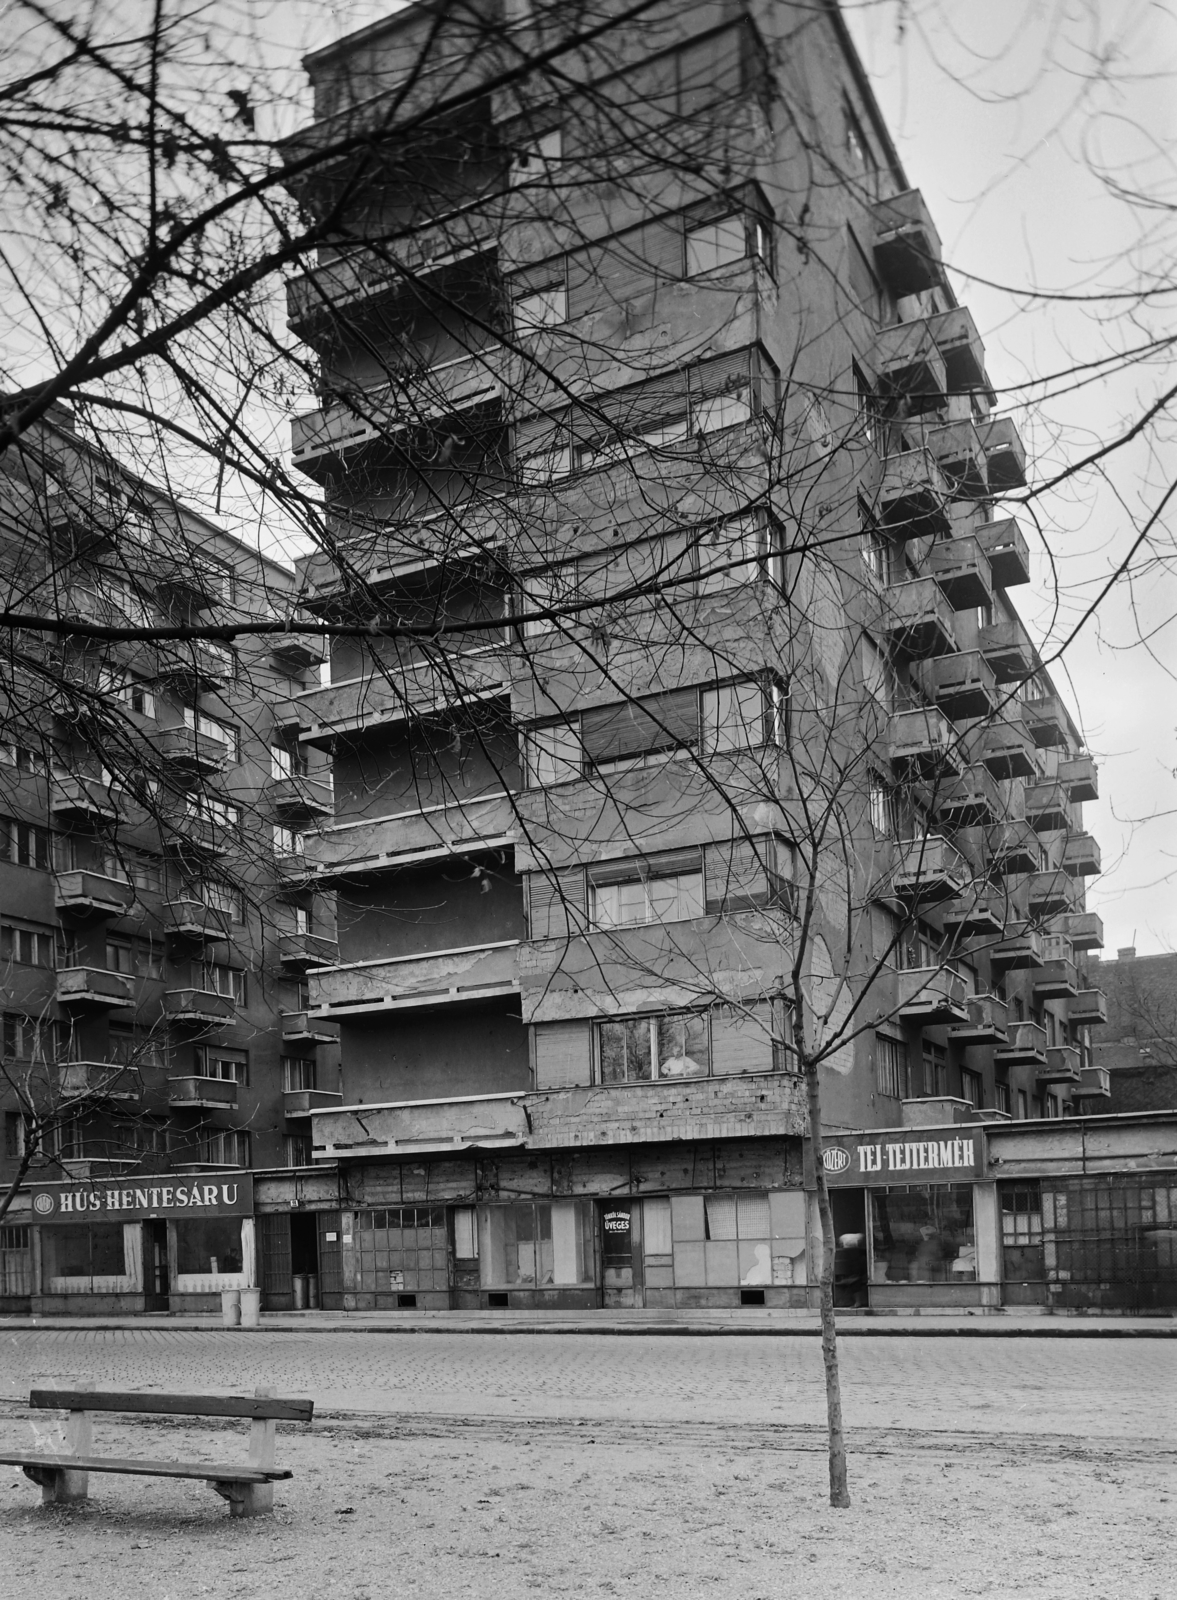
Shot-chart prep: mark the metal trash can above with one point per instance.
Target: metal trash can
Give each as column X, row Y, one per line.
column 312, row 1291
column 300, row 1291
column 251, row 1308
column 231, row 1308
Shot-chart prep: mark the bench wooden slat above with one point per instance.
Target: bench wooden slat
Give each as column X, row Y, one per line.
column 174, row 1405
column 237, row 1472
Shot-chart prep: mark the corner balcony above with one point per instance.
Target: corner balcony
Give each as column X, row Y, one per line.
column 907, row 246
column 299, row 1104
column 1025, row 1046
column 300, row 1028
column 77, row 799
column 1005, row 456
column 1083, row 928
column 1048, row 722
column 958, row 450
column 1089, row 1007
column 299, row 952
column 962, row 686
column 1006, row 646
column 1094, row 1083
column 1009, row 555
column 420, row 1127
column 910, row 365
column 970, row 801
column 192, row 752
column 914, row 496
column 95, row 988
column 924, row 741
column 1048, row 805
column 468, row 975
column 399, row 695
column 91, row 894
column 1021, row 951
column 987, row 1022
column 198, row 1008
column 695, row 1109
column 192, row 919
column 1013, row 847
column 978, row 916
column 98, row 1080
column 928, row 870
column 362, row 849
column 218, row 1094
column 917, row 619
column 961, row 569
column 1080, row 776
column 1062, row 1066
column 930, row 996
column 1006, row 748
column 300, row 798
column 1081, row 857
column 1056, row 978
column 1049, row 894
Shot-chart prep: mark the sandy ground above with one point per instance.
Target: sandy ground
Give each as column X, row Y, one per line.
column 436, row 1506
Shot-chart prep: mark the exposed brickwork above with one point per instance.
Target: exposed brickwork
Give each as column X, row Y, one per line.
column 723, row 1108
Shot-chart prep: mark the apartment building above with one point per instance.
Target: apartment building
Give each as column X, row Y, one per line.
column 668, row 491
column 154, row 926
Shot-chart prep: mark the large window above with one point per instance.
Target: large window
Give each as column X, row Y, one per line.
column 924, row 1235
column 891, row 1066
column 211, row 1245
column 738, row 552
column 536, row 1245
column 26, row 947
column 75, row 1255
column 231, row 1066
column 402, row 1248
column 206, row 727
column 640, row 1049
column 23, row 844
column 626, row 894
column 220, row 978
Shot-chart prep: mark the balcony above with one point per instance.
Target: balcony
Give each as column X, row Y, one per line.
column 467, row 975
column 1007, row 648
column 1089, row 1007
column 297, row 653
column 1061, row 1067
column 1095, row 1083
column 962, row 686
column 198, row 1007
column 182, row 575
column 1005, row 457
column 1006, row 748
column 192, row 752
column 1025, row 1046
column 299, row 952
column 287, row 717
column 81, row 526
column 91, row 894
column 195, row 841
column 972, row 800
column 77, row 799
column 910, row 366
column 1081, row 857
column 917, row 619
column 94, row 987
column 959, row 343
column 192, row 919
column 471, row 1122
column 928, row 870
column 1084, row 929
column 300, row 1028
column 1013, row 847
column 986, row 1024
column 360, row 849
column 219, row 1094
column 1048, row 805
column 914, row 496
column 98, row 1080
column 958, row 451
column 961, row 569
column 923, row 741
column 1049, row 725
column 196, row 666
column 1009, row 555
column 298, row 1104
column 978, row 916
column 1021, row 951
column 930, row 996
column 907, row 246
column 1080, row 776
column 398, row 695
column 299, row 798
column 1056, row 978
column 1048, row 894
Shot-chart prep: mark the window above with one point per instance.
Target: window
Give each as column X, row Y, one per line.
column 552, row 755
column 1023, row 1105
column 26, row 947
column 230, row 1066
column 545, row 591
column 863, row 284
column 532, row 162
column 128, row 691
column 134, row 866
column 924, row 1234
column 542, row 466
column 207, row 809
column 738, row 552
column 868, row 405
column 298, row 1072
column 16, row 1134
column 23, row 844
column 140, row 958
column 1001, row 1097
column 536, row 1245
column 296, row 1150
column 891, row 1066
column 302, row 919
column 219, row 978
column 740, row 716
column 1054, row 1106
column 229, row 1147
column 972, row 1087
column 286, row 841
column 30, row 1038
column 465, row 1222
column 209, row 728
column 23, row 759
column 883, row 807
column 672, row 892
column 542, row 308
column 716, row 244
column 858, row 148
column 131, row 1048
column 219, row 897
column 935, row 1069
column 15, row 1260
column 281, row 763
column 211, row 1245
column 877, row 678
column 639, row 1049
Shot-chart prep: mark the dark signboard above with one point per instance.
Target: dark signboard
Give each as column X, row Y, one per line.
column 616, row 1224
column 909, row 1155
column 200, row 1194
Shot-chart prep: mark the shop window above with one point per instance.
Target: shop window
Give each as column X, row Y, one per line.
column 891, row 1066
column 1021, row 1232
column 211, row 1245
column 935, row 1069
column 465, row 1233
column 74, row 1257
column 541, row 1245
column 972, row 1087
column 15, row 1260
column 656, row 1232
column 402, row 1248
column 639, row 1049
column 924, row 1235
column 737, row 1239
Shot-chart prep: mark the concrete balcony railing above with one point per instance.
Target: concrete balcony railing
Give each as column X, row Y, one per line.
column 98, row 1080
column 1025, row 1046
column 196, row 666
column 299, row 952
column 1049, row 894
column 1094, row 1083
column 214, row 1093
column 399, row 695
column 1006, row 646
column 1081, row 857
column 300, row 1028
column 917, row 619
column 1057, row 977
column 191, row 751
column 192, row 919
column 73, row 798
column 439, row 977
column 1089, row 1007
column 1083, row 928
column 94, row 987
column 1009, row 555
column 924, row 741
column 298, row 1104
column 198, row 1007
column 981, row 915
column 1050, row 726
column 959, row 453
column 1005, row 455
column 987, row 1022
column 469, row 1122
column 1013, row 847
column 910, row 365
column 1005, row 747
column 928, row 870
column 92, row 894
column 184, row 574
column 297, row 652
column 1062, row 1066
column 960, row 345
column 907, row 246
column 972, row 800
column 299, row 798
column 467, row 827
column 961, row 568
column 693, row 1109
column 930, row 996
column 1080, row 776
column 1019, row 951
column 914, row 496
column 1048, row 805
column 962, row 686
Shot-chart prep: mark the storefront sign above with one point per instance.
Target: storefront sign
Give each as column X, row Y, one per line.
column 616, row 1221
column 914, row 1155
column 117, row 1200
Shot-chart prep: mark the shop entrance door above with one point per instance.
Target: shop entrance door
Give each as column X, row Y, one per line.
column 617, row 1253
column 277, row 1290
column 155, row 1266
column 329, row 1225
column 850, row 1258
column 304, row 1260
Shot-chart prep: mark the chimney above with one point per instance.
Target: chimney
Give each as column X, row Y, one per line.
column 1128, row 953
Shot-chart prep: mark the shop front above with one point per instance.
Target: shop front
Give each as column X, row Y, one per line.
column 119, row 1246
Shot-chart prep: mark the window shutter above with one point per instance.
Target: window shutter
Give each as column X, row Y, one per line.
column 666, row 864
column 658, row 722
column 556, row 903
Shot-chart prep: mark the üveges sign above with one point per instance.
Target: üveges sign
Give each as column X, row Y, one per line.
column 909, row 1155
column 202, row 1194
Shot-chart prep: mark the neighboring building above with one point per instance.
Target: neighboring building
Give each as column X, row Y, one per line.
column 154, row 925
column 565, row 1055
column 1136, row 1048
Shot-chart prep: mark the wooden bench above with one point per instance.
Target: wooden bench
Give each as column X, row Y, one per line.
column 248, row 1487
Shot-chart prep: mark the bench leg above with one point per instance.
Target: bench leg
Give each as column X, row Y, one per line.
column 245, row 1499
column 60, row 1486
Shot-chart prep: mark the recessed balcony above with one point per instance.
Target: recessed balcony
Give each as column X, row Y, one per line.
column 928, row 870
column 914, row 496
column 92, row 894
column 1048, row 722
column 363, row 849
column 1084, row 929
column 1089, row 1007
column 385, row 698
column 74, row 799
column 1020, row 951
column 1080, row 777
column 972, row 800
column 299, row 952
column 218, row 1094
column 300, row 1028
column 961, row 569
column 1048, row 894
column 1061, row 1067
column 910, row 366
column 94, row 988
column 962, row 686
column 1081, row 856
column 1048, row 805
column 1013, row 847
column 930, row 996
column 1009, row 555
column 1025, row 1046
column 192, row 752
column 986, row 1023
column 98, row 1080
column 1095, row 1083
column 1005, row 457
column 1006, row 646
column 198, row 1007
column 192, row 919
column 1006, row 748
column 299, row 798
column 977, row 916
column 468, row 975
column 961, row 458
column 298, row 1104
column 924, row 741
column 907, row 246
column 917, row 619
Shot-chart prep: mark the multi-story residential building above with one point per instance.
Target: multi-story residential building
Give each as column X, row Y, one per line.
column 154, row 926
column 656, row 356
column 1135, row 1047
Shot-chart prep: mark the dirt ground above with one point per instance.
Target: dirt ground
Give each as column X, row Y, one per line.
column 434, row 1508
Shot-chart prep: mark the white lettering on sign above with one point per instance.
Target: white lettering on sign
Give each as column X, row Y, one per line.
column 917, row 1155
column 148, row 1200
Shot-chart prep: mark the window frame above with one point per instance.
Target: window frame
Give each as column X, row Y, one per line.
column 653, row 1021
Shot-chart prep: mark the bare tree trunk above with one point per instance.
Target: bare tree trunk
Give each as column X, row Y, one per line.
column 839, row 1488
column 14, row 1187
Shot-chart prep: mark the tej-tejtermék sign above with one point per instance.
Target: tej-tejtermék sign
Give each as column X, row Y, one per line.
column 910, row 1155
column 119, row 1200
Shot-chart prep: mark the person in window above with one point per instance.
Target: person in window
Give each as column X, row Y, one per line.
column 927, row 1265
column 850, row 1270
column 964, row 1267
